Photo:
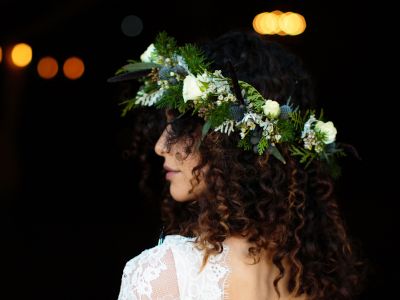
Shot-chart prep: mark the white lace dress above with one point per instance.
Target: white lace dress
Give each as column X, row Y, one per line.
column 171, row 271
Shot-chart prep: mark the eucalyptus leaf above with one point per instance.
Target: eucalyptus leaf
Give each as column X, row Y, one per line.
column 206, row 129
column 140, row 66
column 275, row 152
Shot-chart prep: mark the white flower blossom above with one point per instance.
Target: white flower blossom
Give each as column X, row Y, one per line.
column 147, row 55
column 328, row 129
column 191, row 88
column 271, row 109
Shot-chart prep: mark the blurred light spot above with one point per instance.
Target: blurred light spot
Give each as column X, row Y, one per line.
column 292, row 23
column 269, row 23
column 131, row 25
column 47, row 67
column 21, row 55
column 277, row 22
column 1, row 54
column 256, row 22
column 73, row 68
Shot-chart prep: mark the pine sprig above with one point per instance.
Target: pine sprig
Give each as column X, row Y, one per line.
column 219, row 115
column 262, row 145
column 172, row 98
column 253, row 96
column 194, row 58
column 129, row 105
column 306, row 156
column 165, row 45
column 297, row 120
column 287, row 130
column 245, row 143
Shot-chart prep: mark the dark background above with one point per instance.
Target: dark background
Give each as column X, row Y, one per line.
column 71, row 211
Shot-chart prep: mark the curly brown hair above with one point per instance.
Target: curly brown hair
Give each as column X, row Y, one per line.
column 285, row 209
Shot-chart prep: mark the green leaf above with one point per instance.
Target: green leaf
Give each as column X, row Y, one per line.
column 253, row 96
column 205, row 129
column 275, row 152
column 139, row 66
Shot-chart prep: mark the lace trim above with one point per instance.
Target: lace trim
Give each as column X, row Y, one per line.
column 211, row 283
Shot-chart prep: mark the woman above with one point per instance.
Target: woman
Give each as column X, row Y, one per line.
column 249, row 210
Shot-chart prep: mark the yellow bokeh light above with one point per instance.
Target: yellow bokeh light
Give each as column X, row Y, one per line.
column 21, row 55
column 256, row 22
column 73, row 68
column 269, row 23
column 292, row 23
column 47, row 67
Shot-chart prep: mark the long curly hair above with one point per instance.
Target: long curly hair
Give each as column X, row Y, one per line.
column 283, row 208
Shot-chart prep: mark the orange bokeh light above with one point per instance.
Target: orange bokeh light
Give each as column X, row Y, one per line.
column 73, row 68
column 21, row 55
column 47, row 67
column 1, row 54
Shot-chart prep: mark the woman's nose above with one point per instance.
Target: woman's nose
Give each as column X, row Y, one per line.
column 159, row 147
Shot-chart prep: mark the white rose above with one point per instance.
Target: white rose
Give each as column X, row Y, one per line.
column 146, row 56
column 271, row 109
column 328, row 129
column 191, row 88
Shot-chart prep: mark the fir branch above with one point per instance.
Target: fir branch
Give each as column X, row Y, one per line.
column 129, row 105
column 297, row 120
column 262, row 145
column 219, row 114
column 305, row 155
column 287, row 130
column 165, row 45
column 172, row 98
column 253, row 96
column 245, row 143
column 194, row 58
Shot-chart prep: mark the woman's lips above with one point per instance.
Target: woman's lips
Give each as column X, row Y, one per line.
column 170, row 172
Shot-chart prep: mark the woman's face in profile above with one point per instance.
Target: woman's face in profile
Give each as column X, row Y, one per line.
column 179, row 167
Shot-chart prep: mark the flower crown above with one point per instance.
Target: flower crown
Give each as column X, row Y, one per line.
column 179, row 78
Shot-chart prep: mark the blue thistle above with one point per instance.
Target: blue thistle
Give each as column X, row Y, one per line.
column 179, row 70
column 285, row 110
column 164, row 73
column 237, row 112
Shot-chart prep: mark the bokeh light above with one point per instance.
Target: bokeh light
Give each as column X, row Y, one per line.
column 292, row 23
column 277, row 22
column 1, row 54
column 73, row 68
column 132, row 25
column 21, row 55
column 47, row 67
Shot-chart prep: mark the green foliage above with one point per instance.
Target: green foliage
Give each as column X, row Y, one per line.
column 287, row 130
column 219, row 114
column 253, row 96
column 129, row 105
column 275, row 152
column 297, row 120
column 150, row 86
column 172, row 98
column 165, row 45
column 306, row 156
column 137, row 66
column 262, row 145
column 194, row 58
column 245, row 143
column 205, row 129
